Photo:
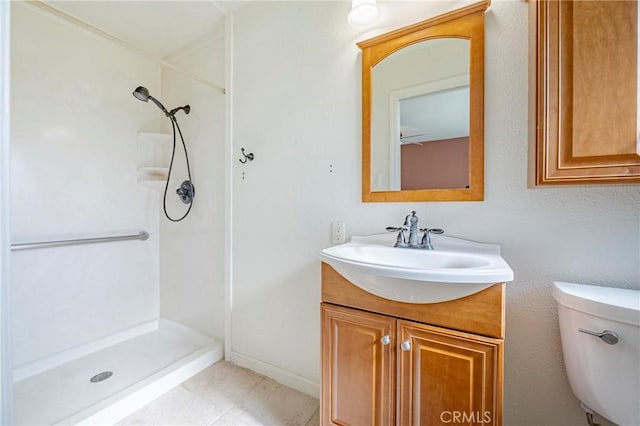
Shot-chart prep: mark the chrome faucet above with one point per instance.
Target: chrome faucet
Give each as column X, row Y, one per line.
column 411, row 225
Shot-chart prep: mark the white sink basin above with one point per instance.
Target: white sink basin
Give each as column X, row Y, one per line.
column 455, row 269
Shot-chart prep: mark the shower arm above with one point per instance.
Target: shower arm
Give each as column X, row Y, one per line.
column 173, row 112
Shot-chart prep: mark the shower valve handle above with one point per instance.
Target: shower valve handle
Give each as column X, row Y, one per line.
column 186, row 192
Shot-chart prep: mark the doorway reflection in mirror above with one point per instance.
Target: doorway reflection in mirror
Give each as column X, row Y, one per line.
column 420, row 117
column 431, row 148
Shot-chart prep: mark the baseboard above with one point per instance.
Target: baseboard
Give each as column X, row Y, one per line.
column 278, row 374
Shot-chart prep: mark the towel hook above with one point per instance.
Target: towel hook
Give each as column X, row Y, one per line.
column 247, row 157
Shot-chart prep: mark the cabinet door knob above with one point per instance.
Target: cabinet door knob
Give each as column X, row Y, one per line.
column 385, row 340
column 406, row 345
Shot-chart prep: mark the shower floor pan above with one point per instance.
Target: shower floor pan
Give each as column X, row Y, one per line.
column 162, row 355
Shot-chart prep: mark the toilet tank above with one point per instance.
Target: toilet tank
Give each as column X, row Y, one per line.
column 605, row 377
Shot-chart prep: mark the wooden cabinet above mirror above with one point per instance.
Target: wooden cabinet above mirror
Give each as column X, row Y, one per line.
column 583, row 99
column 423, row 110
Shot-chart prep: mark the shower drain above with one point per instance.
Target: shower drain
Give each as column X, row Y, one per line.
column 101, row 376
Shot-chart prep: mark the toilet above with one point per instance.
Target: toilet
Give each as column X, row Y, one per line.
column 600, row 333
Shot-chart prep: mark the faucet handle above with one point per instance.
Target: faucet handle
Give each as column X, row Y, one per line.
column 426, row 238
column 432, row 230
column 400, row 241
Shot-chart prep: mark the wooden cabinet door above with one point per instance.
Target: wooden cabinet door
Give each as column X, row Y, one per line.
column 583, row 117
column 358, row 374
column 448, row 377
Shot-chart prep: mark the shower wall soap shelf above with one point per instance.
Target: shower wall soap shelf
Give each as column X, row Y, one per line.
column 154, row 150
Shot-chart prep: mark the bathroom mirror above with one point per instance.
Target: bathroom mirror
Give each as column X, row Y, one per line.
column 423, row 110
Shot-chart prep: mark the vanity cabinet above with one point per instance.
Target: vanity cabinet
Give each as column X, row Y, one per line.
column 404, row 364
column 583, row 92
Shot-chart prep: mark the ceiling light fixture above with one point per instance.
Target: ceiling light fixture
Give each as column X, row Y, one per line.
column 363, row 13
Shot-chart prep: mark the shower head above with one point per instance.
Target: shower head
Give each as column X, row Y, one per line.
column 142, row 94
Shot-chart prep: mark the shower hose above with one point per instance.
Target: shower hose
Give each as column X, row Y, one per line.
column 174, row 124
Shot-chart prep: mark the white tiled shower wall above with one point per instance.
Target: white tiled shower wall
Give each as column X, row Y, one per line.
column 73, row 153
column 192, row 251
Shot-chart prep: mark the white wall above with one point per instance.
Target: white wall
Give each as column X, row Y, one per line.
column 192, row 251
column 297, row 107
column 73, row 142
column 6, row 382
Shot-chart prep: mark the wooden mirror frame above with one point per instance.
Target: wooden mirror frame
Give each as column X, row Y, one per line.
column 466, row 23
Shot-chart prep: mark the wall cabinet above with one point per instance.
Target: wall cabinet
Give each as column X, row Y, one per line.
column 583, row 97
column 394, row 367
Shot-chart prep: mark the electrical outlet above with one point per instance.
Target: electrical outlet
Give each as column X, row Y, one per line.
column 337, row 232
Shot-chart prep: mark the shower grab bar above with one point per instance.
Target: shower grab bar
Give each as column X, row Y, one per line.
column 142, row 235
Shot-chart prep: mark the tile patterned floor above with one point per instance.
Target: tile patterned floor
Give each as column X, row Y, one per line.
column 225, row 394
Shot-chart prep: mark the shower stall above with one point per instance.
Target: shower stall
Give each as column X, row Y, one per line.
column 112, row 302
